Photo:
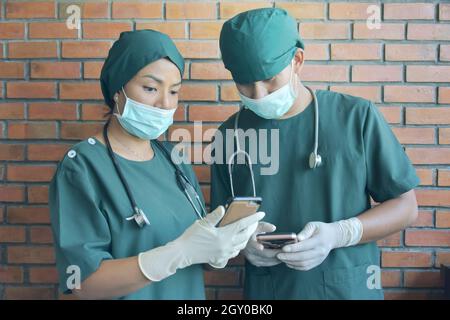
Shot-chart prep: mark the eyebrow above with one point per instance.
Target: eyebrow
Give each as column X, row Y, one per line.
column 159, row 80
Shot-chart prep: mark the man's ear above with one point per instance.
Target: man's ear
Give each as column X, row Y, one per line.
column 299, row 59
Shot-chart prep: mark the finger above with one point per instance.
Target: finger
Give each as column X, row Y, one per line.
column 307, row 231
column 306, row 265
column 264, row 227
column 245, row 234
column 215, row 216
column 299, row 256
column 300, row 246
column 245, row 222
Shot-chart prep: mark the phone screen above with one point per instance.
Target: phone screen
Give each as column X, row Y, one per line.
column 240, row 207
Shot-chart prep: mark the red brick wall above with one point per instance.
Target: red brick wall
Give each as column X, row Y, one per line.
column 51, row 98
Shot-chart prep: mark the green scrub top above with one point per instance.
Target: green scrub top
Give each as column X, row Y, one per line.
column 89, row 204
column 361, row 157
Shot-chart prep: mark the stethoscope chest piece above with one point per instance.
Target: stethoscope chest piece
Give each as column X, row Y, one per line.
column 140, row 218
column 315, row 160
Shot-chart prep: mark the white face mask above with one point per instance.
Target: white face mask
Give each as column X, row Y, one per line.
column 144, row 121
column 276, row 104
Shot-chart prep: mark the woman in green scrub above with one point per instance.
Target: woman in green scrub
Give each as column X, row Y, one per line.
column 326, row 203
column 128, row 223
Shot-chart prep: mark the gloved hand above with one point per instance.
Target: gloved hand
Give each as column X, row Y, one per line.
column 255, row 252
column 202, row 242
column 317, row 239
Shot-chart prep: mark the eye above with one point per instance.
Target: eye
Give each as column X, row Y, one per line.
column 149, row 89
column 174, row 92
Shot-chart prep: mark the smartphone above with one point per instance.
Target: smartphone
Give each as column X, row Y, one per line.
column 276, row 240
column 238, row 208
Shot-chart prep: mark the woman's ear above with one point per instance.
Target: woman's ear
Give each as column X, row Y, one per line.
column 299, row 59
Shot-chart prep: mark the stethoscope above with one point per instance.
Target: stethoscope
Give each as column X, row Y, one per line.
column 182, row 180
column 315, row 160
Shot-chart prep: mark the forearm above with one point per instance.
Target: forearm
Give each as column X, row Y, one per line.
column 114, row 278
column 389, row 217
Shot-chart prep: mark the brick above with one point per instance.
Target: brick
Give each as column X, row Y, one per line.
column 30, row 89
column 30, row 173
column 390, row 278
column 406, row 259
column 89, row 10
column 323, row 30
column 444, row 11
column 231, row 294
column 37, row 194
column 31, row 130
column 80, row 90
column 428, row 238
column 198, row 49
column 355, row 51
column 47, row 152
column 12, row 152
column 12, row 70
column 85, row 49
column 436, row 197
column 444, row 135
column 422, row 31
column 377, row 73
column 317, row 51
column 443, row 177
column 202, row 173
column 52, row 111
column 349, row 11
column 25, row 50
column 79, row 130
column 28, row 254
column 12, row 30
column 428, row 74
column 406, row 11
column 427, row 115
column 394, row 240
column 423, row 279
column 12, row 234
column 92, row 69
column 425, row 219
column 410, row 52
column 104, row 30
column 211, row 112
column 205, row 29
column 429, row 155
column 229, row 93
column 28, row 215
column 10, row 193
column 414, row 135
column 442, row 257
column 197, row 92
column 41, row 234
column 192, row 10
column 444, row 95
column 387, row 31
column 304, row 10
column 325, row 73
column 43, row 275
column 12, row 110
column 55, row 70
column 222, row 278
column 136, row 10
column 367, row 92
column 442, row 219
column 174, row 29
column 30, row 10
column 406, row 295
column 209, row 71
column 230, row 9
column 402, row 93
column 425, row 175
column 50, row 30
column 392, row 114
column 444, row 54
column 10, row 274
column 93, row 111
column 29, row 293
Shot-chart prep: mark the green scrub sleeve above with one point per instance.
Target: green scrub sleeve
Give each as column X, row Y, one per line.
column 81, row 231
column 389, row 170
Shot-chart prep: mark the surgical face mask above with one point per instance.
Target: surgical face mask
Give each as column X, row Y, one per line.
column 144, row 121
column 275, row 104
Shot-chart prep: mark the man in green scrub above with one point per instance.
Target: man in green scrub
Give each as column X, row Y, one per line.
column 103, row 250
column 327, row 203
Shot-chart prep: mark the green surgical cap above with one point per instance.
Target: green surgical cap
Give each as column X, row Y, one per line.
column 130, row 53
column 258, row 44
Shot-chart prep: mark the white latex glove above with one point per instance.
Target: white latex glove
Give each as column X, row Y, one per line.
column 202, row 242
column 255, row 252
column 317, row 239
